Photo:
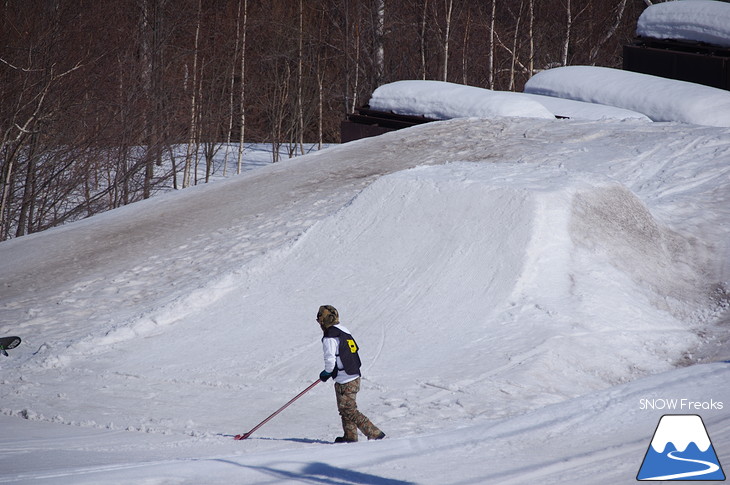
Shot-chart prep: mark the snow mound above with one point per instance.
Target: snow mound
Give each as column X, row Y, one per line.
column 699, row 21
column 443, row 101
column 515, row 243
column 659, row 98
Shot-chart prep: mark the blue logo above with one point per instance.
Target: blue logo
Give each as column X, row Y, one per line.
column 680, row 450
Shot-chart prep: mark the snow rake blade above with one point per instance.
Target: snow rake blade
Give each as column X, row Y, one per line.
column 246, row 435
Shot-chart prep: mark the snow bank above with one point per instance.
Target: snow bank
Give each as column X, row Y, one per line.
column 442, row 101
column 697, row 20
column 659, row 98
column 580, row 110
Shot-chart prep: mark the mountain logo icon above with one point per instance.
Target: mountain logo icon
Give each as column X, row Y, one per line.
column 680, row 450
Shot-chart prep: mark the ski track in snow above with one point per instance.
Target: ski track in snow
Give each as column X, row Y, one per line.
column 466, row 255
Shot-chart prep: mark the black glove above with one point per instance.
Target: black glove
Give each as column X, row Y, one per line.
column 324, row 375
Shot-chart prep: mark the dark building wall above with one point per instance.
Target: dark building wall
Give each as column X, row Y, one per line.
column 695, row 63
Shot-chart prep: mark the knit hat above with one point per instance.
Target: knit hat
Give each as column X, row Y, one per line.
column 327, row 316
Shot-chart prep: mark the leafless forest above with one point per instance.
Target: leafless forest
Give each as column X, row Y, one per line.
column 99, row 95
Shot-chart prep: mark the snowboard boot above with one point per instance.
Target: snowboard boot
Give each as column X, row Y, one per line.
column 345, row 439
column 379, row 436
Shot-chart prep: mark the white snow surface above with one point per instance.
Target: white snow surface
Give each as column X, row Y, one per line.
column 689, row 20
column 518, row 288
column 581, row 110
column 658, row 98
column 443, row 100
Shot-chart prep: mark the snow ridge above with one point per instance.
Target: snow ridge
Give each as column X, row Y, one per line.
column 699, row 20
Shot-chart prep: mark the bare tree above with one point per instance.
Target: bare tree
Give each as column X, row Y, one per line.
column 378, row 48
column 492, row 19
column 191, row 158
column 513, row 50
column 448, row 7
column 422, row 38
column 242, row 106
column 531, row 37
column 87, row 117
column 609, row 32
column 568, row 28
column 300, row 80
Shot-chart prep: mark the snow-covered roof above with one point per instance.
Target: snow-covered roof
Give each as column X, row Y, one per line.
column 443, row 100
column 691, row 20
column 659, row 98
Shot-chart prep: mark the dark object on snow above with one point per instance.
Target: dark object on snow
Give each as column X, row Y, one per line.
column 7, row 343
column 369, row 122
column 694, row 62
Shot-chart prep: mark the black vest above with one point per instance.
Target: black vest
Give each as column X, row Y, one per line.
column 347, row 351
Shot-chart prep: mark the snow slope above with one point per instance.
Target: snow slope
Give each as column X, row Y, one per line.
column 516, row 286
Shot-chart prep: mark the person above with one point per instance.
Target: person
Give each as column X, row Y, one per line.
column 342, row 364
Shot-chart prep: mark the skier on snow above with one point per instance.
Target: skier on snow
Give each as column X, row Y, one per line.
column 342, row 363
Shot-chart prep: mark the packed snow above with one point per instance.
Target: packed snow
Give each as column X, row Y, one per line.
column 658, row 98
column 580, row 110
column 705, row 21
column 443, row 100
column 526, row 293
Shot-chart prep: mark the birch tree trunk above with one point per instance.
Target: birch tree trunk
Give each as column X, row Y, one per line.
column 465, row 50
column 145, row 68
column 300, row 81
column 379, row 53
column 231, row 88
column 192, row 138
column 531, row 37
column 150, row 48
column 566, row 39
column 357, row 69
column 490, row 60
column 514, row 49
column 423, row 39
column 242, row 100
column 449, row 5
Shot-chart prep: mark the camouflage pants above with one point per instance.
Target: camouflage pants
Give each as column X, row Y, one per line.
column 352, row 419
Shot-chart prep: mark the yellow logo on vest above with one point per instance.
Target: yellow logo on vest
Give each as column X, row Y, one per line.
column 353, row 346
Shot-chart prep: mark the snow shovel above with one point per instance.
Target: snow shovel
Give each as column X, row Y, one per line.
column 246, row 435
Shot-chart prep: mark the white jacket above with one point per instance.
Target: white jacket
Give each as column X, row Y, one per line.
column 329, row 347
